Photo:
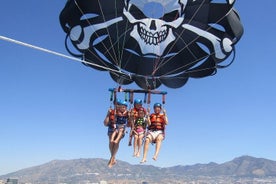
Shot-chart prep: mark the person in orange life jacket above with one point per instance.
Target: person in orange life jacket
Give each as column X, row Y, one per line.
column 139, row 129
column 156, row 131
column 116, row 122
column 133, row 115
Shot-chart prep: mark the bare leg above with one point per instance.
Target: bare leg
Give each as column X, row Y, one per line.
column 113, row 147
column 157, row 146
column 139, row 142
column 110, row 162
column 130, row 139
column 119, row 136
column 146, row 148
column 110, row 143
column 135, row 145
column 114, row 150
column 113, row 136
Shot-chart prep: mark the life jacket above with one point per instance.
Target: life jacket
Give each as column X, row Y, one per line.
column 134, row 113
column 112, row 116
column 112, row 120
column 121, row 118
column 140, row 122
column 157, row 122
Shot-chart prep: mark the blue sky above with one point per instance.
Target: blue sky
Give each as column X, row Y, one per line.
column 53, row 108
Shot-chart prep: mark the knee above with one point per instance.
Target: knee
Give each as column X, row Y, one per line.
column 147, row 141
column 159, row 138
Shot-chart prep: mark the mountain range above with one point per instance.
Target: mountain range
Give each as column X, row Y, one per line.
column 96, row 171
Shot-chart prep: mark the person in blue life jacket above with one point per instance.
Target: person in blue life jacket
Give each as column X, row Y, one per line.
column 116, row 120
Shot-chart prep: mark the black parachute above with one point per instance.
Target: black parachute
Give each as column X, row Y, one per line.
column 152, row 42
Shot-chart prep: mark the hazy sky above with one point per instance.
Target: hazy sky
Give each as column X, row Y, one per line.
column 53, row 108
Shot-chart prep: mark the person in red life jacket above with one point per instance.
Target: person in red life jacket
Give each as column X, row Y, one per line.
column 116, row 121
column 139, row 130
column 134, row 115
column 156, row 131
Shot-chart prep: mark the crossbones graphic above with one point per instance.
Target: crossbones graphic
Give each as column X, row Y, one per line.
column 156, row 27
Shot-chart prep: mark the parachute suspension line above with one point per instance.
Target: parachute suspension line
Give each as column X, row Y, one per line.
column 115, row 59
column 155, row 65
column 184, row 66
column 82, row 55
column 163, row 100
column 123, row 46
column 131, row 96
column 126, row 96
column 57, row 54
column 162, row 63
column 195, row 61
column 199, row 59
column 149, row 99
column 147, row 78
column 120, row 50
column 128, row 99
column 145, row 98
column 111, row 98
column 95, row 55
column 158, row 60
column 118, row 46
column 107, row 49
column 187, row 45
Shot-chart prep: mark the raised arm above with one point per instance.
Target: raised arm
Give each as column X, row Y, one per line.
column 106, row 119
column 165, row 116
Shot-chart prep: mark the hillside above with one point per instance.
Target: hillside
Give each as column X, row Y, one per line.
column 95, row 170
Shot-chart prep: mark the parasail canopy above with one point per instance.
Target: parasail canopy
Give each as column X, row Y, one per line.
column 152, row 42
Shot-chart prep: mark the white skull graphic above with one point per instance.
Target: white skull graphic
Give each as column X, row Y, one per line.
column 153, row 22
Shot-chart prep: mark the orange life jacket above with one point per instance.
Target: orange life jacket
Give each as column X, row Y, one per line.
column 112, row 116
column 134, row 112
column 157, row 122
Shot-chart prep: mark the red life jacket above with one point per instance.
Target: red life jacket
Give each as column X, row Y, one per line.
column 157, row 122
column 134, row 112
column 112, row 116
